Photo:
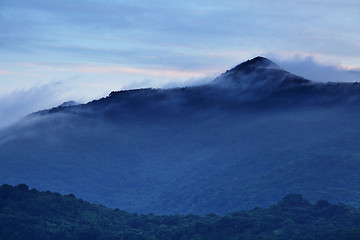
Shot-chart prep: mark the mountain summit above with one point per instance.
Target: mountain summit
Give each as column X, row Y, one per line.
column 257, row 62
column 258, row 75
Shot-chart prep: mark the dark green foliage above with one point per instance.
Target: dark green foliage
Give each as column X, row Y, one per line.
column 30, row 214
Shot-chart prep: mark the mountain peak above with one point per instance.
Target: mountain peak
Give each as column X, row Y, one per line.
column 68, row 103
column 258, row 74
column 257, row 62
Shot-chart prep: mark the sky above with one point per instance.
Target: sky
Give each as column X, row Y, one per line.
column 58, row 50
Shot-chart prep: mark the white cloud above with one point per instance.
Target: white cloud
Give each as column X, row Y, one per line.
column 22, row 102
column 311, row 69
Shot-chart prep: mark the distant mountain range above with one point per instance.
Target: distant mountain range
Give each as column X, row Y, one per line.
column 253, row 134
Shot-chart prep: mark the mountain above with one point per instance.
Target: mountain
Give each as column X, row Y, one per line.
column 259, row 73
column 31, row 214
column 254, row 133
column 68, row 103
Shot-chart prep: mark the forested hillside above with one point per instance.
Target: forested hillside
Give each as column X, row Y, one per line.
column 33, row 215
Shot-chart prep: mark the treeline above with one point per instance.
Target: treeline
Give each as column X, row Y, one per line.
column 31, row 214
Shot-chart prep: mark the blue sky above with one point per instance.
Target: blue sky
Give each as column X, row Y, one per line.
column 87, row 48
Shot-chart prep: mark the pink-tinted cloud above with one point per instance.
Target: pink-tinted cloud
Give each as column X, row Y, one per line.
column 3, row 72
column 171, row 73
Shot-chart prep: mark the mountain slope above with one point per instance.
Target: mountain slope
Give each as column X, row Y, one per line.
column 253, row 134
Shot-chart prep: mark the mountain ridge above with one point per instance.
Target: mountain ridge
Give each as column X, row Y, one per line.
column 197, row 149
column 257, row 81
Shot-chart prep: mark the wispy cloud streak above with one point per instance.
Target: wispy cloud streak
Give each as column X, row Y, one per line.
column 21, row 102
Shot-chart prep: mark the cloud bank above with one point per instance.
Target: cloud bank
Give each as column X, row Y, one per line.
column 311, row 69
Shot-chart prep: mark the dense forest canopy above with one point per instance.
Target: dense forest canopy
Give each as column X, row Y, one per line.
column 31, row 214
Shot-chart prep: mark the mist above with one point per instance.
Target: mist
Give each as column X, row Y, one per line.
column 21, row 102
column 310, row 68
column 120, row 150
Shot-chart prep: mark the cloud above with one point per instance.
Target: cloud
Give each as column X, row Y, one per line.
column 171, row 73
column 124, row 76
column 3, row 72
column 179, row 33
column 22, row 102
column 308, row 67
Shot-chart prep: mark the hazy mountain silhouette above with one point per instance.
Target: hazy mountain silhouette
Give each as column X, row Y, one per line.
column 254, row 133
